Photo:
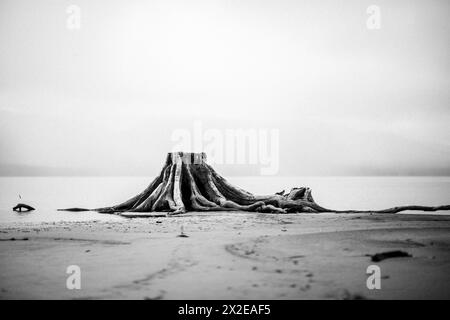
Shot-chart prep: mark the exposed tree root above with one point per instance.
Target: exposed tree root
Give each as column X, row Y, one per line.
column 188, row 183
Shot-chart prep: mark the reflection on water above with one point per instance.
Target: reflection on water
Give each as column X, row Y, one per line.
column 47, row 194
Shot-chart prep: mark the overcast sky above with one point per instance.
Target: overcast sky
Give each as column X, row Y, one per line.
column 106, row 98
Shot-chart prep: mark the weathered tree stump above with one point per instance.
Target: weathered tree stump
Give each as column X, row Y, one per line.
column 188, row 183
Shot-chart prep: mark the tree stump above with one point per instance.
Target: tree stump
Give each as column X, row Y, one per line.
column 188, row 183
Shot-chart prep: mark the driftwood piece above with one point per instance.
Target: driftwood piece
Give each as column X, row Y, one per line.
column 188, row 183
column 389, row 254
column 25, row 207
column 75, row 209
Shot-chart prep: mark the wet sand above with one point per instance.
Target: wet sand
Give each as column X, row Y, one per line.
column 228, row 256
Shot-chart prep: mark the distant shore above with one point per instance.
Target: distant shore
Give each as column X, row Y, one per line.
column 228, row 256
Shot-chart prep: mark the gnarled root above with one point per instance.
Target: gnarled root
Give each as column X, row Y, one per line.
column 188, row 183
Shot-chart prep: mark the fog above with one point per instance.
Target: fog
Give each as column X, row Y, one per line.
column 106, row 98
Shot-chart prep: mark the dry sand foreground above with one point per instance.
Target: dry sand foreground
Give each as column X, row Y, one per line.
column 228, row 256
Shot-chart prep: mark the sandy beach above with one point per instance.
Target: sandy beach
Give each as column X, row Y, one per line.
column 228, row 255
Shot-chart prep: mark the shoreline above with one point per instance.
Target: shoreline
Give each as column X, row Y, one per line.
column 228, row 255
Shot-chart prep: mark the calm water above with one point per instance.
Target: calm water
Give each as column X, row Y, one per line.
column 47, row 194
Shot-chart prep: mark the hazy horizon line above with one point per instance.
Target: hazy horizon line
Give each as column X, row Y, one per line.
column 15, row 170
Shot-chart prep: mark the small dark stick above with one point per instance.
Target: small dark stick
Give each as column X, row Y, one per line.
column 74, row 209
column 182, row 234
